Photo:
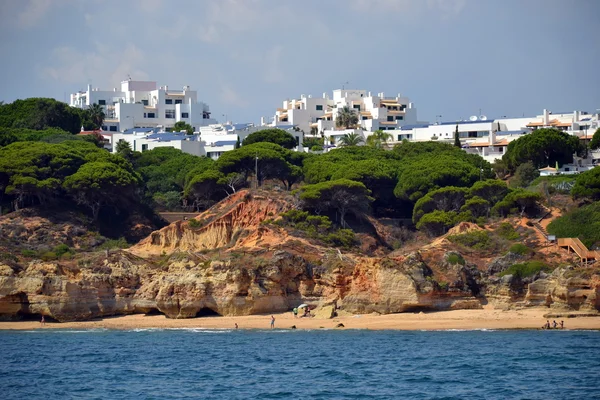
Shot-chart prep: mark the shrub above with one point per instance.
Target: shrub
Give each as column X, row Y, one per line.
column 506, row 231
column 342, row 238
column 61, row 249
column 194, row 223
column 49, row 256
column 519, row 248
column 583, row 223
column 477, row 239
column 28, row 253
column 526, row 269
column 119, row 243
column 456, row 259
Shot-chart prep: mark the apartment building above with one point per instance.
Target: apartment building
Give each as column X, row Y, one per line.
column 318, row 114
column 141, row 104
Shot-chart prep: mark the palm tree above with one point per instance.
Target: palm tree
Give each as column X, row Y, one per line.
column 379, row 139
column 96, row 114
column 346, row 118
column 351, row 139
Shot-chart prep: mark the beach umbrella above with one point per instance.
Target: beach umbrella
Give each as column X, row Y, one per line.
column 303, row 305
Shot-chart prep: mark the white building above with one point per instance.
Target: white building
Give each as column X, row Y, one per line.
column 318, row 114
column 141, row 104
column 490, row 137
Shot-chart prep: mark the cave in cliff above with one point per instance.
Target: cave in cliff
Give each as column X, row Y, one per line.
column 207, row 312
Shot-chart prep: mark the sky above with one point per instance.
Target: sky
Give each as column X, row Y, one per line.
column 244, row 57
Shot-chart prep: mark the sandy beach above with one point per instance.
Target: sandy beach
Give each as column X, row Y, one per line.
column 442, row 320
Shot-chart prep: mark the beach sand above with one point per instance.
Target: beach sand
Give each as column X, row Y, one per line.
column 441, row 320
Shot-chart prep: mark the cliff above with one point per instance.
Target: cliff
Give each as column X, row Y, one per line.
column 231, row 263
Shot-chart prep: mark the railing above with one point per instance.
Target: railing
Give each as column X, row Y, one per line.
column 579, row 248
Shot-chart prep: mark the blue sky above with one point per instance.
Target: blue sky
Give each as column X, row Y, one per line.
column 451, row 57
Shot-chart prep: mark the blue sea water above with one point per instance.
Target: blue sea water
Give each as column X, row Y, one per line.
column 286, row 364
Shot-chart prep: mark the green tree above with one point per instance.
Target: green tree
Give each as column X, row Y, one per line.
column 437, row 223
column 34, row 171
column 39, row 114
column 457, row 138
column 542, row 147
column 205, row 188
column 595, row 142
column 351, row 139
column 346, row 118
column 96, row 115
column 477, row 206
column 97, row 184
column 525, row 174
column 491, row 190
column 379, row 139
column 587, row 185
column 429, row 172
column 444, row 199
column 123, row 148
column 182, row 126
column 273, row 135
column 341, row 195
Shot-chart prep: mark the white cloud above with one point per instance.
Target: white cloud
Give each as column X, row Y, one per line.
column 446, row 8
column 231, row 97
column 104, row 66
column 272, row 63
column 33, row 12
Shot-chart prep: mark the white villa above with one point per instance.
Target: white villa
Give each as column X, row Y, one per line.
column 139, row 104
column 318, row 114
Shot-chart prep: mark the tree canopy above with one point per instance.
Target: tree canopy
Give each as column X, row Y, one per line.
column 182, row 126
column 40, row 114
column 595, row 142
column 543, row 147
column 587, row 185
column 274, row 135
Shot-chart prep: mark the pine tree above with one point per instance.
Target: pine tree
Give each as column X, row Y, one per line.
column 456, row 138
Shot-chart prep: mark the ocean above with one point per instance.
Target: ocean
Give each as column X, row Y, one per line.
column 286, row 364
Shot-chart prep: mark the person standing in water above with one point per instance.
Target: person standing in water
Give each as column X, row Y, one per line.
column 272, row 322
column 236, row 325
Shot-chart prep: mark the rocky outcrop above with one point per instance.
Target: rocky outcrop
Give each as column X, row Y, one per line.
column 230, row 263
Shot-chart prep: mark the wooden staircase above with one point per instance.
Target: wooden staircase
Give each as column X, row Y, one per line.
column 579, row 248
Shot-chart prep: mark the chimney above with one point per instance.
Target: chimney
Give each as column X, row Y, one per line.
column 575, row 116
column 492, row 135
column 546, row 118
column 89, row 88
column 324, row 95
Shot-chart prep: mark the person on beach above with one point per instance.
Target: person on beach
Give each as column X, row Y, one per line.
column 562, row 324
column 272, row 322
column 236, row 325
column 43, row 321
column 554, row 324
column 295, row 311
column 547, row 326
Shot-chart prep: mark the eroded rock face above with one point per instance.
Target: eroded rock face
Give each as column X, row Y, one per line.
column 560, row 291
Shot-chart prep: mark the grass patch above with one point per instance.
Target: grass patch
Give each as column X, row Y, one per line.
column 526, row 269
column 583, row 223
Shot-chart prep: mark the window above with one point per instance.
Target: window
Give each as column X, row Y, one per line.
column 357, row 107
column 390, row 118
column 112, row 128
column 168, row 101
column 284, row 119
column 104, row 128
column 403, row 107
column 144, row 147
column 102, row 102
column 319, row 107
column 169, row 113
column 399, row 117
column 177, row 101
column 144, row 115
column 185, row 115
column 145, row 102
column 472, row 134
column 151, row 115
